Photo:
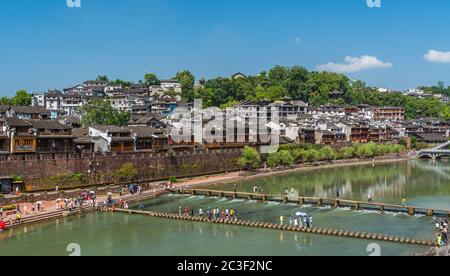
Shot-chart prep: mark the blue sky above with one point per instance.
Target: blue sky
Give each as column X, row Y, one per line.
column 44, row 44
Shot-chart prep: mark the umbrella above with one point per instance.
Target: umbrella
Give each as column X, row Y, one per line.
column 300, row 214
column 39, row 203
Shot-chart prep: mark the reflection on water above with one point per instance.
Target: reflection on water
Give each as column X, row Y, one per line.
column 422, row 182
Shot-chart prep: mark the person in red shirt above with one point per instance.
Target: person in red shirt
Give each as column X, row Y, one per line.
column 2, row 225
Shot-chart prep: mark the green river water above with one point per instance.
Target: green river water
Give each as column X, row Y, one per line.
column 423, row 183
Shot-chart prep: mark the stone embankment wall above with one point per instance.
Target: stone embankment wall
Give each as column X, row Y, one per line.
column 41, row 172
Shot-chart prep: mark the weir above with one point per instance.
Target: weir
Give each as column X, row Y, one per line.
column 316, row 201
column 274, row 226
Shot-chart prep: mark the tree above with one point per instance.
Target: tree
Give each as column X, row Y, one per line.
column 446, row 112
column 101, row 112
column 126, row 172
column 276, row 93
column 364, row 151
column 22, row 98
column 278, row 73
column 250, row 159
column 207, row 95
column 295, row 85
column 5, row 101
column 151, row 79
column 103, row 78
column 121, row 82
column 187, row 81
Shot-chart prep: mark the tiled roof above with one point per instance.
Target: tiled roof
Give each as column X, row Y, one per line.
column 16, row 122
column 49, row 124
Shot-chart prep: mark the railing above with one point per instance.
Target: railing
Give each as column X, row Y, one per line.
column 336, row 202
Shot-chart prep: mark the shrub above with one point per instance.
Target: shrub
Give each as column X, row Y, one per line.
column 173, row 179
column 126, row 173
column 327, row 153
column 79, row 177
column 273, row 160
column 17, row 178
column 286, row 158
column 347, row 152
column 11, row 207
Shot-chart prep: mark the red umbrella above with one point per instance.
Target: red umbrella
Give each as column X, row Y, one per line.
column 2, row 225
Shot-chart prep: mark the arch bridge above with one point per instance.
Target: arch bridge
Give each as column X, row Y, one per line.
column 440, row 151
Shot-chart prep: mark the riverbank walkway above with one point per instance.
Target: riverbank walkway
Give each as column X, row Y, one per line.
column 274, row 226
column 316, row 201
column 53, row 213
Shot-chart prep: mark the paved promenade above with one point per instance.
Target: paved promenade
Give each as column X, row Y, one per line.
column 51, row 210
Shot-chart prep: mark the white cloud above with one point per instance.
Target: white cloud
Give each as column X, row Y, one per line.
column 355, row 64
column 437, row 56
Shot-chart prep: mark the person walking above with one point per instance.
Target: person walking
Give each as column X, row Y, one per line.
column 281, row 220
column 370, row 198
column 404, row 202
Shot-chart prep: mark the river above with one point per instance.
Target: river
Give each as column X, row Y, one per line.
column 422, row 183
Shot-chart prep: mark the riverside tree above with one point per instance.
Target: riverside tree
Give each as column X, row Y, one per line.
column 250, row 159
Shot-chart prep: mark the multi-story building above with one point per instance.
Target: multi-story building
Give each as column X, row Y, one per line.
column 38, row 99
column 120, row 102
column 52, row 136
column 326, row 137
column 289, row 108
column 168, row 85
column 356, row 131
column 4, row 139
column 22, row 136
column 72, row 104
column 53, row 100
column 38, row 136
column 307, row 136
column 29, row 112
column 391, row 113
column 111, row 138
column 164, row 105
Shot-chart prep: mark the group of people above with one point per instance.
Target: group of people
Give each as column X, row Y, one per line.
column 442, row 232
column 20, row 211
column 211, row 213
column 71, row 204
column 257, row 190
column 301, row 221
column 287, row 192
column 123, row 204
